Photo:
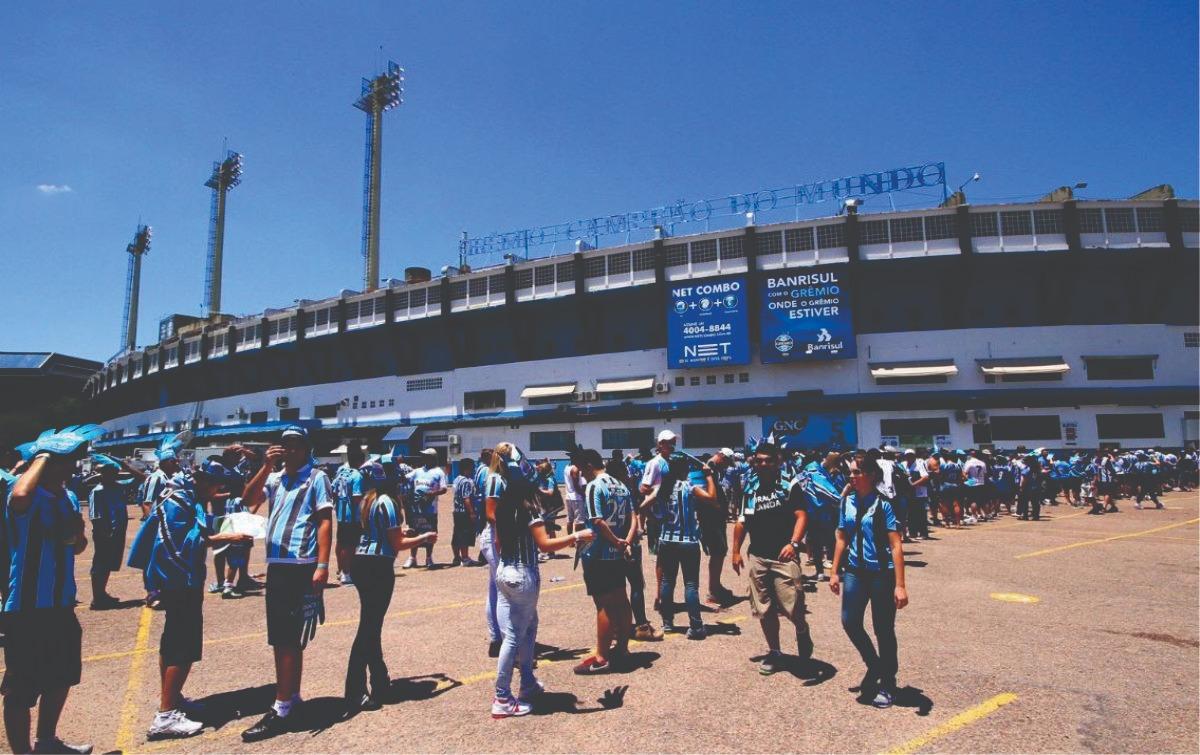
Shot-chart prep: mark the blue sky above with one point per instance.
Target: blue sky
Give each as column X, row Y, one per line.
column 527, row 114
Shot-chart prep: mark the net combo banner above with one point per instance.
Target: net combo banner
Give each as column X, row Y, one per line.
column 708, row 323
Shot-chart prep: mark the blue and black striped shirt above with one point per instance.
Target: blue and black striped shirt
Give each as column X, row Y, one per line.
column 381, row 519
column 42, row 553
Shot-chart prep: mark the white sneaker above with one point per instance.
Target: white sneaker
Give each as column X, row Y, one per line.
column 509, row 708
column 823, row 577
column 173, row 724
column 826, row 563
column 410, row 563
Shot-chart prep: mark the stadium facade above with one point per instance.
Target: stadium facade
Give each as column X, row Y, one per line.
column 961, row 326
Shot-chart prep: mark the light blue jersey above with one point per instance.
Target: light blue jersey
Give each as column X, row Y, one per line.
column 464, row 491
column 383, row 517
column 680, row 522
column 292, row 521
column 607, row 498
column 861, row 533
column 41, row 552
column 108, row 506
column 347, row 485
column 170, row 546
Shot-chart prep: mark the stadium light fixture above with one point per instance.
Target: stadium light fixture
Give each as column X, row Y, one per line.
column 973, row 178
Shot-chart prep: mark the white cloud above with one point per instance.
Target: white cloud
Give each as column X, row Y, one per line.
column 54, row 188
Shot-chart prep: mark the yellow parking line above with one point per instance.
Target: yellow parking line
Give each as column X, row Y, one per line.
column 134, row 686
column 1106, row 539
column 962, row 720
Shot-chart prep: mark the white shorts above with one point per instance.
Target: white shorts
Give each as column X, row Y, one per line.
column 575, row 513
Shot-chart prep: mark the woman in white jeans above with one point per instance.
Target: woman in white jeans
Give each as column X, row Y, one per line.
column 518, row 534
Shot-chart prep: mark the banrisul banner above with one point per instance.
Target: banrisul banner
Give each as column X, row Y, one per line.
column 837, row 431
column 708, row 323
column 806, row 316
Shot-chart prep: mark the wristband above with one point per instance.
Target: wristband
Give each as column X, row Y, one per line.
column 323, row 566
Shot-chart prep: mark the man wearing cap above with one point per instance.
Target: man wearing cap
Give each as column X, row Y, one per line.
column 348, row 489
column 109, row 516
column 299, row 537
column 428, row 482
column 656, row 469
column 168, row 467
column 43, row 639
column 169, row 549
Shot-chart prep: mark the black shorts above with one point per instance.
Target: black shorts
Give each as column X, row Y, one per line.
column 43, row 652
column 1107, row 488
column 464, row 530
column 713, row 536
column 602, row 576
column 348, row 534
column 183, row 633
column 108, row 549
column 287, row 586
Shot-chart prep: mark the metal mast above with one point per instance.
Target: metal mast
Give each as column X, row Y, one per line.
column 379, row 94
column 225, row 175
column 133, row 283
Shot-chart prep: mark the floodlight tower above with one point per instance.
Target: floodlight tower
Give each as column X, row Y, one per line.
column 133, row 283
column 225, row 175
column 379, row 94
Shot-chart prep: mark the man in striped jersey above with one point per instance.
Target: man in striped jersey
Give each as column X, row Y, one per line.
column 299, row 536
column 348, row 489
column 43, row 639
column 157, row 482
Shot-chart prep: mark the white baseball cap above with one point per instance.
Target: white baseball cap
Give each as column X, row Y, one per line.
column 667, row 436
column 727, row 452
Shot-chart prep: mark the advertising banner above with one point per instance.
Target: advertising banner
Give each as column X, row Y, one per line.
column 708, row 323
column 836, row 431
column 806, row 316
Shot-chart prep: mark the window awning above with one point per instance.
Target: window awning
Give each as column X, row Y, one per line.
column 548, row 391
column 1023, row 366
column 1099, row 357
column 400, row 433
column 926, row 368
column 625, row 385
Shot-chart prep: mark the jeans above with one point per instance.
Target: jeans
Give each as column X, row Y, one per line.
column 374, row 579
column 918, row 517
column 637, row 586
column 673, row 557
column 518, row 587
column 489, row 607
column 876, row 588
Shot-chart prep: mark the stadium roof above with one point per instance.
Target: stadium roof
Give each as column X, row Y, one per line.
column 29, row 363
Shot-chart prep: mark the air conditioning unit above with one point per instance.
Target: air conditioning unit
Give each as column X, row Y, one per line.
column 662, row 387
column 960, row 415
column 282, row 402
column 981, row 416
column 454, row 441
column 585, row 396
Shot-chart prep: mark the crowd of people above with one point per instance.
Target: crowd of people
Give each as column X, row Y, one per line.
column 848, row 513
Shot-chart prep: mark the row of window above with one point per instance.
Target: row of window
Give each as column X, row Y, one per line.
column 700, row 435
column 727, row 378
column 1023, row 427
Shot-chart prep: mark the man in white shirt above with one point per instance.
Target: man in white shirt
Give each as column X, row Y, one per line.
column 573, row 493
column 427, row 483
column 975, row 474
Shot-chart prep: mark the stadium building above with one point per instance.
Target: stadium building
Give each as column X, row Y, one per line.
column 961, row 325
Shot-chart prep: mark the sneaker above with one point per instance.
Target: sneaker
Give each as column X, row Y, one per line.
column 410, row 563
column 509, row 708
column 823, row 577
column 671, row 628
column 590, row 665
column 173, row 724
column 456, row 562
column 270, row 725
column 696, row 633
column 216, row 587
column 883, row 699
column 531, row 691
column 1158, row 505
column 543, row 558
column 494, row 648
column 56, row 745
column 470, row 562
column 804, row 646
column 232, row 592
column 771, row 663
column 346, row 579
column 1137, row 505
column 647, row 633
column 827, row 564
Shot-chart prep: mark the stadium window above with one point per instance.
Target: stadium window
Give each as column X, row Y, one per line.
column 143, row 429
column 552, row 440
column 911, row 380
column 1150, row 219
column 712, row 435
column 984, row 224
column 458, row 290
column 496, row 285
column 417, row 298
column 1191, row 340
column 1047, row 222
column 544, row 276
column 391, row 402
column 1120, row 368
column 524, row 278
column 618, row 264
column 675, row 255
column 1091, row 221
column 325, row 411
column 422, row 384
column 710, row 379
column 907, row 229
column 289, row 415
column 940, row 227
column 731, row 248
column 680, row 380
column 729, row 377
column 799, row 239
column 1121, row 426
column 769, row 243
column 257, row 418
column 1016, row 223
column 401, row 300
column 643, row 259
column 1026, row 427
column 922, row 426
column 873, row 232
column 1119, row 220
column 704, row 251
column 478, row 401
column 831, row 236
column 593, row 267
column 743, row 377
column 632, row 438
column 191, row 351
column 695, row 380
column 1189, row 219
column 1032, row 377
